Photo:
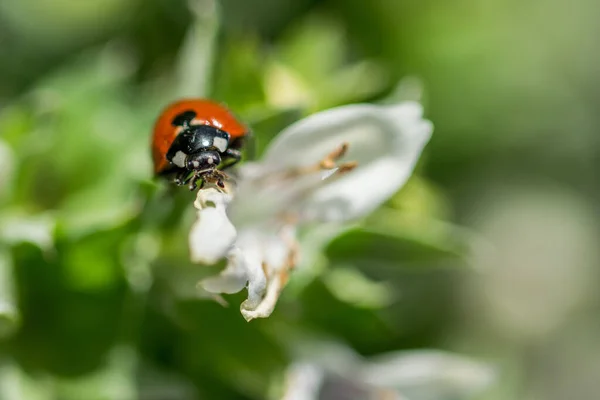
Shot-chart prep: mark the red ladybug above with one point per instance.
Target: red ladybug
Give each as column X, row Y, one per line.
column 195, row 139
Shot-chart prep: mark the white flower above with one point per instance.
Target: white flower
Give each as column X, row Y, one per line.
column 331, row 371
column 334, row 166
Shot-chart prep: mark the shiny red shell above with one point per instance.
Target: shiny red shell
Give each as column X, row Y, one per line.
column 207, row 112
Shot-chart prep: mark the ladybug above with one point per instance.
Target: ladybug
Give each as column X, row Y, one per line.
column 196, row 139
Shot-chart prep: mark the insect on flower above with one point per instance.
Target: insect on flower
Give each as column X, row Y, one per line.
column 197, row 139
column 330, row 168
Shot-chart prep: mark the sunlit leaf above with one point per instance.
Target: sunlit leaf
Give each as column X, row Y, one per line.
column 9, row 313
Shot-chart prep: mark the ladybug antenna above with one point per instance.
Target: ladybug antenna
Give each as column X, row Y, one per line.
column 184, row 119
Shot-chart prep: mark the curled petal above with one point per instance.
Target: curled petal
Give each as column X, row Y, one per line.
column 244, row 268
column 267, row 303
column 385, row 141
column 212, row 235
column 277, row 253
column 260, row 260
column 253, row 260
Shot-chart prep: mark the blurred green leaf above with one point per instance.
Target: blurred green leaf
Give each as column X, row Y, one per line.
column 312, row 68
column 93, row 262
column 373, row 247
column 419, row 198
column 113, row 381
column 266, row 127
column 238, row 79
column 63, row 24
column 16, row 384
column 9, row 313
column 196, row 57
column 211, row 344
column 16, row 121
column 353, row 287
column 18, row 227
column 64, row 329
column 7, row 170
column 365, row 329
column 422, row 310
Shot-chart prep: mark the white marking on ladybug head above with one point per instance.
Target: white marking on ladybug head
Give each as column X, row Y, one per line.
column 196, row 163
column 210, row 160
column 179, row 159
column 220, row 143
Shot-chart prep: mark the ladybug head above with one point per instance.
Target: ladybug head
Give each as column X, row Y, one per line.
column 204, row 160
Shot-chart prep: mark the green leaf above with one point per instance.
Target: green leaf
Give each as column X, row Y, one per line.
column 7, row 170
column 9, row 313
column 115, row 380
column 268, row 125
column 376, row 247
column 238, row 80
column 16, row 384
column 312, row 68
column 93, row 263
column 196, row 57
column 64, row 329
column 351, row 286
column 214, row 346
column 364, row 328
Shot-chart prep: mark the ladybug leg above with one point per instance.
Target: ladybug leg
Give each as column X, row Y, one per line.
column 236, row 154
column 238, row 143
column 182, row 177
column 219, row 176
column 194, row 179
column 233, row 157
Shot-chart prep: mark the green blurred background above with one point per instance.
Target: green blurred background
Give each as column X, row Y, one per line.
column 490, row 251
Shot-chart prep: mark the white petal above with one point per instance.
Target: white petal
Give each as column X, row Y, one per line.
column 232, row 279
column 303, row 382
column 425, row 375
column 263, row 194
column 245, row 267
column 277, row 248
column 212, row 235
column 252, row 260
column 260, row 261
column 386, row 141
column 267, row 258
column 268, row 301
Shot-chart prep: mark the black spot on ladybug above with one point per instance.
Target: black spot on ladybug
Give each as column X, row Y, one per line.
column 184, row 118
